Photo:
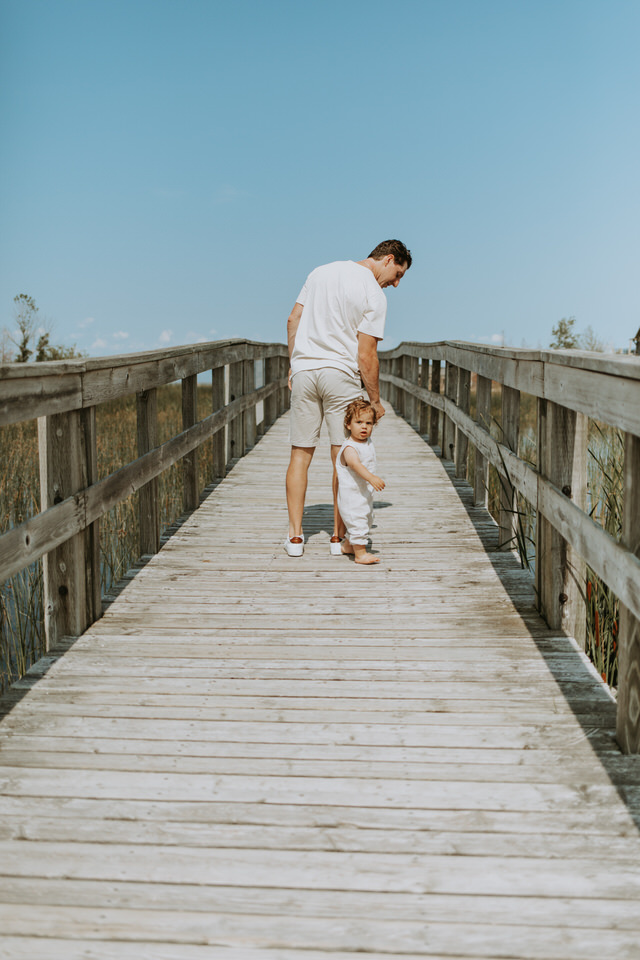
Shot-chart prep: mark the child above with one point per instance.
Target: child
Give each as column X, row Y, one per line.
column 356, row 482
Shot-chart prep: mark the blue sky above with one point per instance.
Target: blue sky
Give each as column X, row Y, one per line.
column 171, row 170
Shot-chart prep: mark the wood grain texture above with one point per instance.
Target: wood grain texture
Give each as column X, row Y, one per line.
column 252, row 756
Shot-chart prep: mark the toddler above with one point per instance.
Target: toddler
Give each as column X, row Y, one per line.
column 356, row 481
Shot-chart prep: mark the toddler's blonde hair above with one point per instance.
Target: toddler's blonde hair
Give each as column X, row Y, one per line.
column 359, row 405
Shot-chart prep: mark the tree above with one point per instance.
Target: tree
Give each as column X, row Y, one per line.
column 590, row 341
column 564, row 336
column 29, row 325
column 26, row 318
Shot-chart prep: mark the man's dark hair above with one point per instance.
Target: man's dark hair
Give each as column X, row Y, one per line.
column 400, row 253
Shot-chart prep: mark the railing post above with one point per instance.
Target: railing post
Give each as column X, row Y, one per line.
column 148, row 506
column 249, row 415
column 217, row 402
column 510, row 422
column 436, row 386
column 271, row 367
column 392, row 390
column 92, row 533
column 191, row 493
column 560, row 572
column 462, row 441
column 284, row 393
column 448, row 427
column 423, row 408
column 235, row 433
column 410, row 373
column 399, row 392
column 481, row 464
column 63, row 472
column 628, row 716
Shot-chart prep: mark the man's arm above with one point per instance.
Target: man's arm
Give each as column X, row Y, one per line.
column 369, row 369
column 292, row 325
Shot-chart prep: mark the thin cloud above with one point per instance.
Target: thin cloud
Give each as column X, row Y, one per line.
column 166, row 336
column 99, row 344
column 121, row 335
column 85, row 323
column 229, row 194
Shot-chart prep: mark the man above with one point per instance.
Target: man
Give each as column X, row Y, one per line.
column 333, row 333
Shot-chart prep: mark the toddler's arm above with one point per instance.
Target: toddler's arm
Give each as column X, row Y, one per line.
column 352, row 460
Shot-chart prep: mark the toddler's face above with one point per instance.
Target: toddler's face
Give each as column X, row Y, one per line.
column 361, row 425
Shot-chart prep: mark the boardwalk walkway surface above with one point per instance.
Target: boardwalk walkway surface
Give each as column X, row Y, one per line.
column 252, row 756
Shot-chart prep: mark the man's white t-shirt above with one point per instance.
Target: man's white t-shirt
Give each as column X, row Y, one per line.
column 340, row 300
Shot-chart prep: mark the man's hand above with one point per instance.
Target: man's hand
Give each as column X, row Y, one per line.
column 379, row 409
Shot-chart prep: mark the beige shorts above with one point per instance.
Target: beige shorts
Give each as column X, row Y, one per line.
column 317, row 395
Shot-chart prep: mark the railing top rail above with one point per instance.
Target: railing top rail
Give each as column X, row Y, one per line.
column 29, row 390
column 613, row 365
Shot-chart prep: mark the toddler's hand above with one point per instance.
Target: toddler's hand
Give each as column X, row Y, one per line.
column 377, row 482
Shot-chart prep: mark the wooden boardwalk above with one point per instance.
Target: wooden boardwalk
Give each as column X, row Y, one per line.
column 252, row 756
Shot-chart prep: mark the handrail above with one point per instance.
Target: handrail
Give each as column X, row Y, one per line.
column 64, row 394
column 570, row 386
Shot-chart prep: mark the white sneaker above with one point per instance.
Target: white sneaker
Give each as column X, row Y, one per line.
column 335, row 548
column 294, row 549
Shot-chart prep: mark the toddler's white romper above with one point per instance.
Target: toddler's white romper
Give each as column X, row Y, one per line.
column 355, row 495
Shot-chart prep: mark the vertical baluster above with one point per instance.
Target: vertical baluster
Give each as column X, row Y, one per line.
column 191, row 493
column 148, row 506
column 628, row 717
column 217, row 403
column 423, row 414
column 249, row 415
column 483, row 419
column 436, row 387
column 462, row 441
column 507, row 521
column 271, row 368
column 235, row 434
column 560, row 572
column 448, row 427
column 63, row 470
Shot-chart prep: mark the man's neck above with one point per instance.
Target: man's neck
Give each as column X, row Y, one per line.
column 373, row 265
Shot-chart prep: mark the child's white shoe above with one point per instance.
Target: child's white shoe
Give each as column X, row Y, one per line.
column 294, row 546
column 335, row 546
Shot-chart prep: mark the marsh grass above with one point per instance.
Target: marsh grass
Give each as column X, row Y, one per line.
column 22, row 639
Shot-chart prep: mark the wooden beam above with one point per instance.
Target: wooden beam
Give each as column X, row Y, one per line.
column 628, row 714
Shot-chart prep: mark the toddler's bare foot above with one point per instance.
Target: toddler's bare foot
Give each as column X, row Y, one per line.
column 347, row 548
column 363, row 557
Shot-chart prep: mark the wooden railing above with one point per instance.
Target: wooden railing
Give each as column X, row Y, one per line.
column 570, row 387
column 63, row 395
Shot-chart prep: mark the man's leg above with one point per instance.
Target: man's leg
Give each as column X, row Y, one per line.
column 339, row 529
column 297, row 486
